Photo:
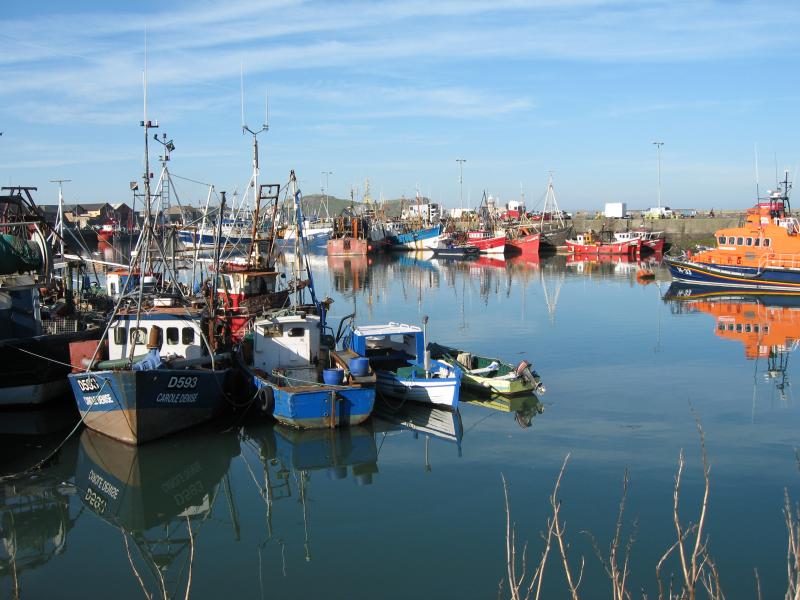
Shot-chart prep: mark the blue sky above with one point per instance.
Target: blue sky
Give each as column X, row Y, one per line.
column 395, row 91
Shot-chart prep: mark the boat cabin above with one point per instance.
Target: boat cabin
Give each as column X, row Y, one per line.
column 290, row 344
column 20, row 312
column 392, row 342
column 239, row 285
column 120, row 282
column 176, row 331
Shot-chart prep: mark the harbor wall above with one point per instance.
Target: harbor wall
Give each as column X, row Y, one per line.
column 682, row 232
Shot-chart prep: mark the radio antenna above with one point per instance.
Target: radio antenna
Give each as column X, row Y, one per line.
column 241, row 90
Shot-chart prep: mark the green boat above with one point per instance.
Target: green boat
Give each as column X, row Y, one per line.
column 490, row 374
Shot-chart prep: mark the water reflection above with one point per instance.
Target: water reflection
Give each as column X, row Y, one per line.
column 525, row 407
column 766, row 324
column 157, row 495
column 37, row 511
column 288, row 457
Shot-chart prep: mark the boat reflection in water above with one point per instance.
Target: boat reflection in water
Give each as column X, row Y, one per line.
column 766, row 324
column 288, row 459
column 38, row 510
column 433, row 423
column 524, row 406
column 157, row 495
column 349, row 273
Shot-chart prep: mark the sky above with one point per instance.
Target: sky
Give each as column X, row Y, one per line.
column 396, row 91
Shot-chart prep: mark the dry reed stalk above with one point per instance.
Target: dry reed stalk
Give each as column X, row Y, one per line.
column 558, row 532
column 792, row 517
column 696, row 563
column 515, row 583
column 191, row 557
column 611, row 565
column 147, row 594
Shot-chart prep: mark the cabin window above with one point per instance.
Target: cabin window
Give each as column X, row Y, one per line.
column 138, row 335
column 748, row 328
column 731, row 240
column 757, row 242
column 739, row 241
column 721, row 327
column 119, row 336
column 296, row 332
column 749, row 241
column 767, row 242
column 739, row 327
column 730, row 326
column 765, row 329
column 721, row 240
column 187, row 336
column 113, row 288
column 172, row 336
column 756, row 328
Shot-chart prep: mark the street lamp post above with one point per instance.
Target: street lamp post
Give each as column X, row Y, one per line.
column 658, row 154
column 461, row 162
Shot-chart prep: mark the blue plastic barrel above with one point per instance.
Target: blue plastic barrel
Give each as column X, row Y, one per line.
column 333, row 376
column 359, row 366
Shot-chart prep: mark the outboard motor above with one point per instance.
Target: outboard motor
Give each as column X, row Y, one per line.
column 524, row 371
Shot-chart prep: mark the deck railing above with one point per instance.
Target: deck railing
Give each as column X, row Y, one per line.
column 786, row 261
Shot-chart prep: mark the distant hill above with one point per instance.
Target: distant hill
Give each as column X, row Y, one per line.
column 312, row 205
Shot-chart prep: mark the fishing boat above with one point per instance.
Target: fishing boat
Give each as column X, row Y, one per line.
column 652, row 241
column 521, row 241
column 490, row 374
column 404, row 369
column 286, row 363
column 591, row 243
column 161, row 373
column 34, row 342
column 425, row 238
column 763, row 253
column 450, row 248
column 286, row 360
column 355, row 236
column 487, row 242
column 106, row 231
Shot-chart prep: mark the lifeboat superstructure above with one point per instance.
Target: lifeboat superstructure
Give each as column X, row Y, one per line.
column 761, row 253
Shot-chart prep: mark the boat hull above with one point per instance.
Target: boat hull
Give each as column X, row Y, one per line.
column 735, row 277
column 526, row 244
column 209, row 240
column 136, row 407
column 442, row 392
column 494, row 245
column 35, row 369
column 627, row 247
column 420, row 239
column 311, row 407
column 348, row 247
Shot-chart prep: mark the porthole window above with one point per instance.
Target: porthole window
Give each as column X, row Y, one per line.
column 119, row 336
column 172, row 336
column 749, row 241
column 731, row 240
column 740, row 241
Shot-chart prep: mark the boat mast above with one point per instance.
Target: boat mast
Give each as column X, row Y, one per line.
column 254, row 178
column 60, row 218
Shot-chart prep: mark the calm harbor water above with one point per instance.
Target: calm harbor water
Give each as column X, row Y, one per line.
column 411, row 503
